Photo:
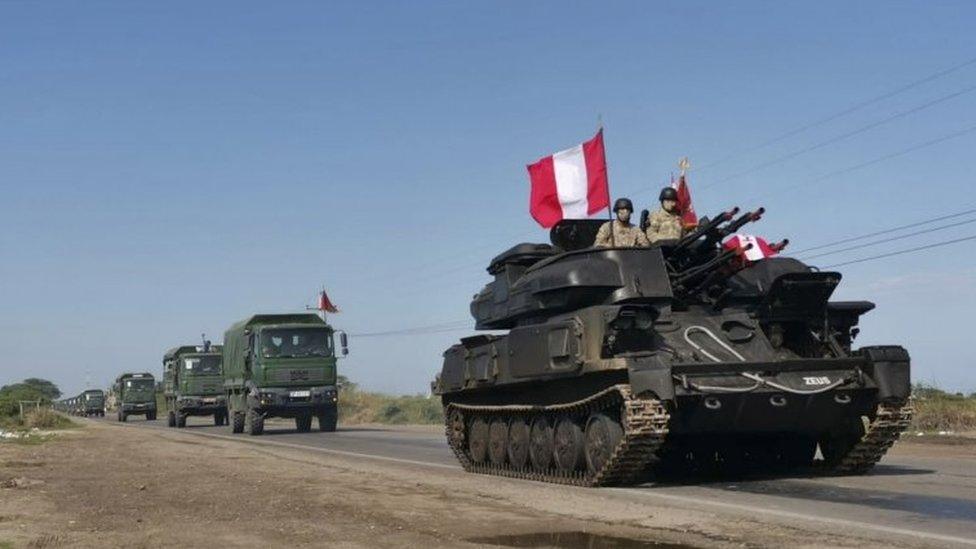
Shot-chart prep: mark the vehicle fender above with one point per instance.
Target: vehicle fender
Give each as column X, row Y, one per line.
column 650, row 374
column 890, row 366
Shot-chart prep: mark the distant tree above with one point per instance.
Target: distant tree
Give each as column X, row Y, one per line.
column 45, row 387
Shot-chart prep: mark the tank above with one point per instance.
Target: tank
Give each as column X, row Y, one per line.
column 615, row 366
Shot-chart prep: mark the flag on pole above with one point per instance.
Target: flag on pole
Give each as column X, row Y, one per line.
column 325, row 304
column 688, row 216
column 571, row 184
column 761, row 249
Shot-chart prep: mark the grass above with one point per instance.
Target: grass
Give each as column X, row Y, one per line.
column 358, row 406
column 937, row 410
column 43, row 419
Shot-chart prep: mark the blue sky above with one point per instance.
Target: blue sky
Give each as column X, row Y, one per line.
column 170, row 168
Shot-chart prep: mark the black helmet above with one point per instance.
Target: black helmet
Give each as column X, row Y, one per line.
column 668, row 193
column 623, row 203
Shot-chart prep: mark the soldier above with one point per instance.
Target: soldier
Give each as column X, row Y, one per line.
column 665, row 223
column 625, row 235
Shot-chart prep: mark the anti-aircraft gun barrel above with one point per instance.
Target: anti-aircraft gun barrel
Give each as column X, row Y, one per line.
column 747, row 217
column 691, row 237
column 711, row 265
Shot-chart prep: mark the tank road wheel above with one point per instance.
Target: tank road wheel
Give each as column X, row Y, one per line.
column 456, row 425
column 568, row 444
column 498, row 441
column 518, row 442
column 603, row 435
column 238, row 426
column 541, row 444
column 303, row 423
column 180, row 420
column 170, row 420
column 253, row 422
column 478, row 439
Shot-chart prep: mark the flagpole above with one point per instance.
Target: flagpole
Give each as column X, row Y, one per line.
column 599, row 129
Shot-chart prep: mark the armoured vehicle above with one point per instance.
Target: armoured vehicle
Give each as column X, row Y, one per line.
column 619, row 365
column 193, row 384
column 281, row 365
column 135, row 395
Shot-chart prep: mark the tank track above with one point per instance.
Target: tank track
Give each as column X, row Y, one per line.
column 880, row 434
column 644, row 422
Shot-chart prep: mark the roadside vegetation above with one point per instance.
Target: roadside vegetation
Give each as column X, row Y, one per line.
column 358, row 406
column 37, row 417
column 939, row 411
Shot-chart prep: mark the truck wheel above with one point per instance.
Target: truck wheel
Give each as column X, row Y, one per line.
column 150, row 416
column 118, row 415
column 180, row 420
column 123, row 418
column 218, row 419
column 170, row 420
column 253, row 423
column 238, row 426
column 303, row 423
column 328, row 421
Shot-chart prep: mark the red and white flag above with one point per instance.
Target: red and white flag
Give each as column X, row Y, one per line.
column 688, row 216
column 325, row 304
column 760, row 248
column 570, row 184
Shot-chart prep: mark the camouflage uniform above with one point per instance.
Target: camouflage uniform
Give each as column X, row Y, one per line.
column 664, row 225
column 624, row 236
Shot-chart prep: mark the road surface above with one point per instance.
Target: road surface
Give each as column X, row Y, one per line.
column 920, row 494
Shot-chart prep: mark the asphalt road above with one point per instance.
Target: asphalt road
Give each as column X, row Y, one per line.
column 929, row 500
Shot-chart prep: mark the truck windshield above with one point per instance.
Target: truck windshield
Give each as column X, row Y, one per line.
column 139, row 384
column 202, row 365
column 296, row 342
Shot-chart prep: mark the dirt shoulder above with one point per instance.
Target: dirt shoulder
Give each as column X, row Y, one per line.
column 115, row 486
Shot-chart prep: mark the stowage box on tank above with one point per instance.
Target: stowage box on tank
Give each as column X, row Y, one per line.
column 622, row 363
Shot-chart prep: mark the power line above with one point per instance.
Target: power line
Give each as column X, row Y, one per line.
column 456, row 325
column 886, row 231
column 880, row 159
column 846, row 111
column 900, row 252
column 841, row 137
column 891, row 239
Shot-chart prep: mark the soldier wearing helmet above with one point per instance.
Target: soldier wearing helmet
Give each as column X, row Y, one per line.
column 665, row 223
column 625, row 235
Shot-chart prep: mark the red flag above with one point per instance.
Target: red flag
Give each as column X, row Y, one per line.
column 570, row 184
column 325, row 304
column 688, row 216
column 761, row 249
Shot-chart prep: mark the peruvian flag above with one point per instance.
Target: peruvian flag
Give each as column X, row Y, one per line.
column 570, row 184
column 760, row 248
column 688, row 216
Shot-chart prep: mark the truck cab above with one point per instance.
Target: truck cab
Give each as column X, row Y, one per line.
column 93, row 402
column 193, row 384
column 135, row 395
column 281, row 366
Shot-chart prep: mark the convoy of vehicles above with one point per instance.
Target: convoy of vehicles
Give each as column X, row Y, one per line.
column 135, row 395
column 281, row 365
column 89, row 403
column 193, row 384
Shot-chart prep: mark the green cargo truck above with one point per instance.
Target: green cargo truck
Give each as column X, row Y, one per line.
column 135, row 395
column 281, row 365
column 93, row 402
column 193, row 384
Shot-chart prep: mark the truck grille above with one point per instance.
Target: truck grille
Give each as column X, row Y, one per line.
column 298, row 375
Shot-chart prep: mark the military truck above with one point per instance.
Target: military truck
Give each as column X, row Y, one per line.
column 135, row 395
column 281, row 365
column 193, row 384
column 92, row 403
column 619, row 364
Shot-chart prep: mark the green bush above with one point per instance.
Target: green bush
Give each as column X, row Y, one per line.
column 357, row 406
